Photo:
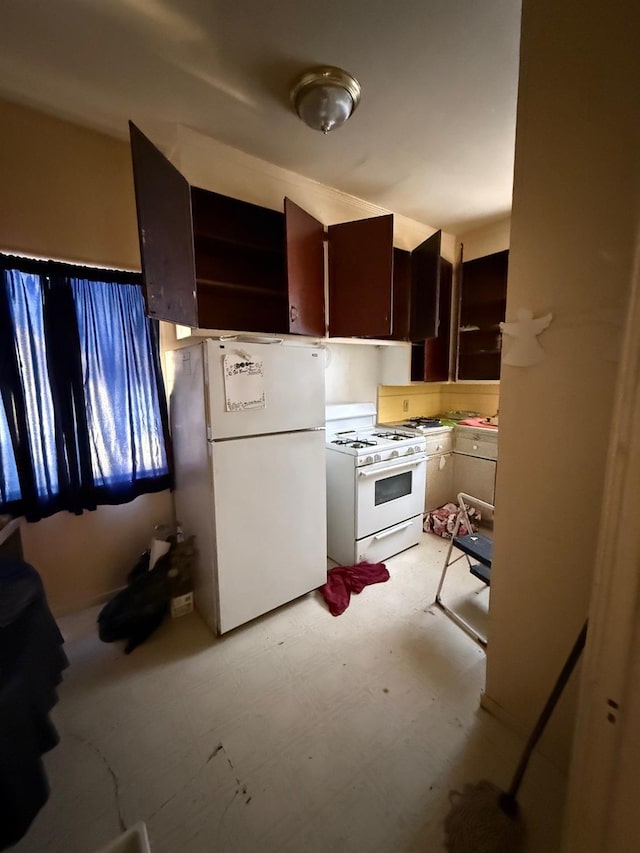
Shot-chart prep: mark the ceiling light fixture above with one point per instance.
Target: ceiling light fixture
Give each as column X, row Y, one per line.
column 325, row 97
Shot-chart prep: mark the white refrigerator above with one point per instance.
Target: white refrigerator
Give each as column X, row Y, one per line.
column 247, row 424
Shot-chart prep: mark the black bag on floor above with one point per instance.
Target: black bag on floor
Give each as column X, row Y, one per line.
column 138, row 609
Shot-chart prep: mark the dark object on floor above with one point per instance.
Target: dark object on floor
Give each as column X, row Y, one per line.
column 484, row 819
column 136, row 611
column 31, row 663
column 344, row 580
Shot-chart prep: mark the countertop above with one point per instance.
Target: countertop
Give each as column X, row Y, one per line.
column 479, row 423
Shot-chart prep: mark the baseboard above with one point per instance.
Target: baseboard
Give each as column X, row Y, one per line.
column 65, row 608
column 496, row 710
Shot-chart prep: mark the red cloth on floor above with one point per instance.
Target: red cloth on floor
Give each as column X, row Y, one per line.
column 343, row 580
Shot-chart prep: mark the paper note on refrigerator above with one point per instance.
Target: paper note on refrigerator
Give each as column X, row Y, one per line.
column 243, row 382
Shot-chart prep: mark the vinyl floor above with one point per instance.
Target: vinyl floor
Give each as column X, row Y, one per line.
column 298, row 733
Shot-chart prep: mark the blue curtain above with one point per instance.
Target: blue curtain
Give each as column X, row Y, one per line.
column 83, row 416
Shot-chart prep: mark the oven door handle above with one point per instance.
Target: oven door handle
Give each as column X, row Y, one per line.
column 393, row 530
column 384, row 471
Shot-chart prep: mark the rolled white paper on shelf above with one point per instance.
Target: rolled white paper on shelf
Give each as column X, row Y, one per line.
column 158, row 549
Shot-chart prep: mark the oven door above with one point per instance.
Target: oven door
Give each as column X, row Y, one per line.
column 388, row 493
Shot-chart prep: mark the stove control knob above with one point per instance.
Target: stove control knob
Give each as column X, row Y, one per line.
column 377, row 458
column 393, row 454
column 410, row 451
column 368, row 460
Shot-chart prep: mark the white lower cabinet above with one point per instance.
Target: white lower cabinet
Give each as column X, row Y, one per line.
column 460, row 460
column 474, row 476
column 440, row 488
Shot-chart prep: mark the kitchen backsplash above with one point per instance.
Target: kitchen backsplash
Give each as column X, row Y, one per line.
column 398, row 402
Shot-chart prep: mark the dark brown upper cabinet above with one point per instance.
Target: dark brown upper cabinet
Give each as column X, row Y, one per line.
column 425, row 288
column 401, row 295
column 430, row 358
column 359, row 270
column 483, row 299
column 437, row 349
column 427, row 320
column 163, row 203
column 416, row 291
column 305, row 270
column 215, row 262
column 361, row 277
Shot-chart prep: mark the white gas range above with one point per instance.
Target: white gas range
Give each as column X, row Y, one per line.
column 375, row 485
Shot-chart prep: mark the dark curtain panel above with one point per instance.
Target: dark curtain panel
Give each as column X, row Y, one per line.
column 83, row 416
column 122, row 393
column 74, row 490
column 17, row 478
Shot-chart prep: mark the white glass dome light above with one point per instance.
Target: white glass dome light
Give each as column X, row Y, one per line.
column 325, row 97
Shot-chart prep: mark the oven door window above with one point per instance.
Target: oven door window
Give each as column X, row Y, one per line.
column 392, row 488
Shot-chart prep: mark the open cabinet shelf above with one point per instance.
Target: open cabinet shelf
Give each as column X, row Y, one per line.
column 483, row 300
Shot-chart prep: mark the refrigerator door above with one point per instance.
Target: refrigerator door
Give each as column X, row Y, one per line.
column 293, row 386
column 270, row 519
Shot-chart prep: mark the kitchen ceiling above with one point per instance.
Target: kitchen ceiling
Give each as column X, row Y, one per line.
column 433, row 137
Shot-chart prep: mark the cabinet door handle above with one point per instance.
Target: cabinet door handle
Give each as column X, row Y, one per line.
column 293, row 313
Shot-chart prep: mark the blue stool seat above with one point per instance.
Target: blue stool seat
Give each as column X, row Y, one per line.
column 477, row 546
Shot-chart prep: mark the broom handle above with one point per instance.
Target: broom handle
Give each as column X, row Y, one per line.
column 552, row 701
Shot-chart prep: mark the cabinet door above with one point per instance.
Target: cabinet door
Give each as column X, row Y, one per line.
column 482, row 307
column 360, row 277
column 440, row 489
column 401, row 295
column 474, row 476
column 437, row 349
column 425, row 290
column 163, row 204
column 305, row 270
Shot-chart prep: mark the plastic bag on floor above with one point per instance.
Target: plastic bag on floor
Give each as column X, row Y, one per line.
column 442, row 521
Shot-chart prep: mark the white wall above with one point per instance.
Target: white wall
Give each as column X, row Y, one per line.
column 67, row 193
column 572, row 242
column 210, row 164
column 354, row 371
column 486, row 240
column 83, row 559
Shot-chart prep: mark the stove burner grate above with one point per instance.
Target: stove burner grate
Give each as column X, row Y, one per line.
column 392, row 436
column 426, row 422
column 356, row 443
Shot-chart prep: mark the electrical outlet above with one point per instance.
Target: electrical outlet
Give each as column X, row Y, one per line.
column 405, row 405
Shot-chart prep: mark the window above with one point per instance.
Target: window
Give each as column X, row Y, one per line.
column 83, row 418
